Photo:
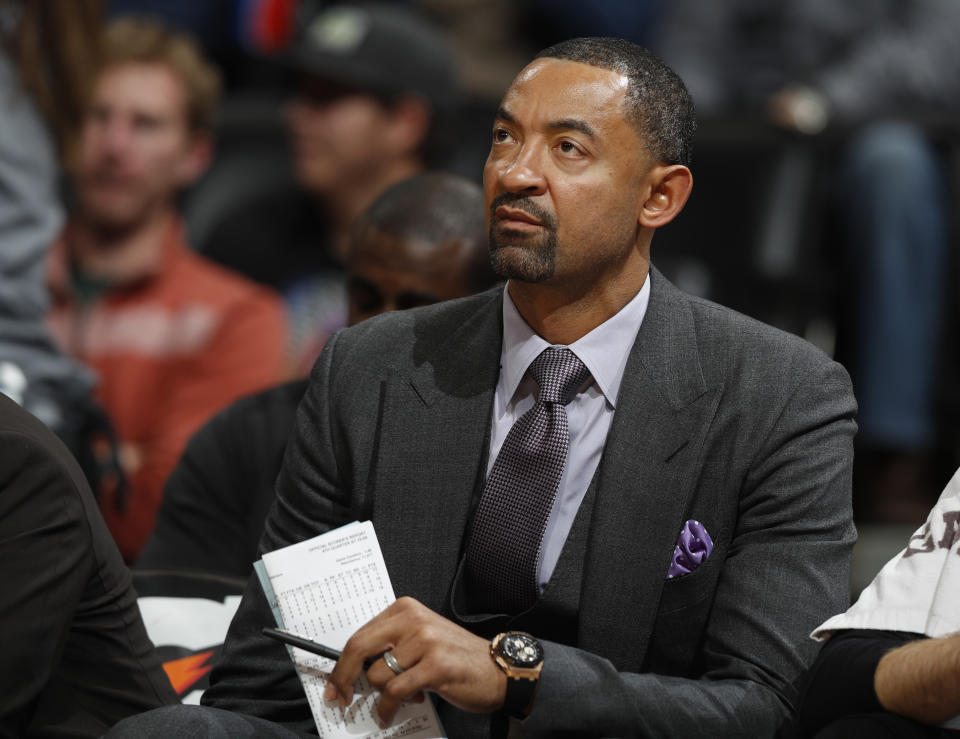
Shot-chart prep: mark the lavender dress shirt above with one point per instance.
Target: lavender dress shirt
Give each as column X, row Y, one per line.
column 604, row 351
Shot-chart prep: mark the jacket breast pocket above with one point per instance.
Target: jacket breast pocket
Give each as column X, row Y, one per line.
column 680, row 625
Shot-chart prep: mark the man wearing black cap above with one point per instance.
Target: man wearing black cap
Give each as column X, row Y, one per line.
column 373, row 79
column 373, row 82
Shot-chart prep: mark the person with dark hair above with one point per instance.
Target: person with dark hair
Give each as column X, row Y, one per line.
column 422, row 241
column 607, row 508
column 375, row 86
column 656, row 102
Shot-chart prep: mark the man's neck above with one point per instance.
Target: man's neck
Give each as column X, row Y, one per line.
column 120, row 256
column 561, row 315
column 344, row 205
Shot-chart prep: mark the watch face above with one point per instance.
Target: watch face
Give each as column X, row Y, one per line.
column 521, row 649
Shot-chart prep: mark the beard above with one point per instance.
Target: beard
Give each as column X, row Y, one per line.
column 119, row 208
column 523, row 255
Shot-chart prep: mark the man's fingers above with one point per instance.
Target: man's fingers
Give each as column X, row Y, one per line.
column 380, row 672
column 394, row 689
column 345, row 673
column 330, row 691
column 370, row 640
column 431, row 653
column 396, row 622
column 408, row 686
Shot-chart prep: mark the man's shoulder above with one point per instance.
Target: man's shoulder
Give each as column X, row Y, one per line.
column 426, row 327
column 734, row 349
column 718, row 322
column 730, row 336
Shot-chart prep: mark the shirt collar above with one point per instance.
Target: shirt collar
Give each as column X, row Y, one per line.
column 604, row 350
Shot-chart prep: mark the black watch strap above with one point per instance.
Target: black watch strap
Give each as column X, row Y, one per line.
column 519, row 695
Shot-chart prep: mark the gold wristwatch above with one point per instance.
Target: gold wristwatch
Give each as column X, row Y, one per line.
column 520, row 656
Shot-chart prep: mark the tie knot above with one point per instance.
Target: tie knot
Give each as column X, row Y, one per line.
column 558, row 373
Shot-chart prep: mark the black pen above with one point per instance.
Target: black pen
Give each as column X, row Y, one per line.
column 295, row 640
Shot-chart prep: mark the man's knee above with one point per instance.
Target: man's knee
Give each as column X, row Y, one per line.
column 195, row 722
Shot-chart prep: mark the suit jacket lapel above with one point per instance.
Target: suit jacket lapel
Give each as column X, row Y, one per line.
column 649, row 461
column 436, row 422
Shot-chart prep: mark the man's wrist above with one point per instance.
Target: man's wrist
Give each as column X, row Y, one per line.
column 520, row 657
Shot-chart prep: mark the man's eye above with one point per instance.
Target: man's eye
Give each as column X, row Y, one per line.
column 569, row 148
column 501, row 135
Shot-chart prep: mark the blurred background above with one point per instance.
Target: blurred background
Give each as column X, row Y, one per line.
column 826, row 169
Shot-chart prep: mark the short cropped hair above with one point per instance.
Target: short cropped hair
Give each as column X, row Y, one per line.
column 136, row 40
column 658, row 103
column 435, row 208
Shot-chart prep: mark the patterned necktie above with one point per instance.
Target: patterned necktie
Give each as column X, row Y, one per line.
column 508, row 528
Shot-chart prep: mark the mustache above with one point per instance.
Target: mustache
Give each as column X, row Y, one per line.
column 526, row 204
column 99, row 174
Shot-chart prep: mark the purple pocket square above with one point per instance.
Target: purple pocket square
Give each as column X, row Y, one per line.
column 692, row 549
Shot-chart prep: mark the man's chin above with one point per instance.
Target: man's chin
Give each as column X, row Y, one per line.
column 317, row 177
column 523, row 264
column 110, row 221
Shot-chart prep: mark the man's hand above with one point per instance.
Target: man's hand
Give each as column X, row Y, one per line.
column 435, row 654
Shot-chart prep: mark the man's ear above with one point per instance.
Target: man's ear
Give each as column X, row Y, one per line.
column 196, row 159
column 670, row 187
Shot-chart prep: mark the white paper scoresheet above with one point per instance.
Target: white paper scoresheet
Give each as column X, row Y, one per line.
column 325, row 588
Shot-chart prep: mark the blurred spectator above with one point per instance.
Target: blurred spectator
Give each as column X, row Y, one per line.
column 375, row 83
column 871, row 72
column 75, row 658
column 67, row 606
column 47, row 55
column 171, row 336
column 422, row 241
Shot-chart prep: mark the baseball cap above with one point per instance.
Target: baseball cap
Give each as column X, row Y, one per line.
column 383, row 49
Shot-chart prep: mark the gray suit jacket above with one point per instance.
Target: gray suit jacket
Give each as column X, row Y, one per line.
column 720, row 419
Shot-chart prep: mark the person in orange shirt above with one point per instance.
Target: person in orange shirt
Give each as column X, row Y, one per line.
column 171, row 336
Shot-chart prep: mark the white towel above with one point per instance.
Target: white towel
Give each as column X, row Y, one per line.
column 919, row 589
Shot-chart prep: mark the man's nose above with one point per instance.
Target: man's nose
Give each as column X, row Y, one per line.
column 524, row 174
column 116, row 134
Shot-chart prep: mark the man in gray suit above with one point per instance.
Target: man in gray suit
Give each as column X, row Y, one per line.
column 690, row 421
